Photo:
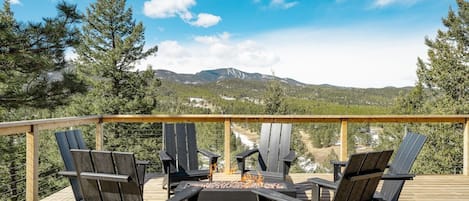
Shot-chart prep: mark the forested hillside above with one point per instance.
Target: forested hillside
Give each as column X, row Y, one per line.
column 228, row 95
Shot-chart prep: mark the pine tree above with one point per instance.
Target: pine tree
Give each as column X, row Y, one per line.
column 446, row 73
column 275, row 99
column 33, row 70
column 111, row 44
column 446, row 77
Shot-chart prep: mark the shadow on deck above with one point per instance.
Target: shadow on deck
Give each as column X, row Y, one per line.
column 424, row 187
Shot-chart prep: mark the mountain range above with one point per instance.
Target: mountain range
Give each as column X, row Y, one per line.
column 207, row 76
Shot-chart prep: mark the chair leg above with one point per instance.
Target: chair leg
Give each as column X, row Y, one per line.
column 337, row 170
column 316, row 193
column 167, row 170
column 212, row 169
column 168, row 185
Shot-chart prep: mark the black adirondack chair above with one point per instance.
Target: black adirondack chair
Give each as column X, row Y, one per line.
column 73, row 139
column 274, row 154
column 179, row 156
column 106, row 175
column 66, row 140
column 360, row 177
column 401, row 166
column 398, row 169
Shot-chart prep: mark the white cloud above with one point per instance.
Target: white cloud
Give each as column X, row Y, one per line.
column 381, row 3
column 209, row 40
column 252, row 53
column 181, row 9
column 206, row 20
column 15, row 2
column 215, row 51
column 282, row 4
column 168, row 8
column 384, row 3
column 172, row 49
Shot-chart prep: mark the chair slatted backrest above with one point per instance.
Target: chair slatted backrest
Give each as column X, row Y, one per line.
column 126, row 165
column 362, row 175
column 274, row 145
column 179, row 141
column 66, row 140
column 106, row 162
column 83, row 158
column 405, row 157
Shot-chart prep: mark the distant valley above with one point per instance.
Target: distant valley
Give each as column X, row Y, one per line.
column 231, row 86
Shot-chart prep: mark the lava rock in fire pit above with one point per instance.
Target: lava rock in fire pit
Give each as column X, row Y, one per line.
column 238, row 185
column 234, row 190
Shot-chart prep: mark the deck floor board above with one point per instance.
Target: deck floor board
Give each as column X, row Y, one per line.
column 424, row 187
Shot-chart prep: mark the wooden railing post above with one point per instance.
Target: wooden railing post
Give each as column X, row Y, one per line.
column 343, row 140
column 465, row 167
column 99, row 136
column 32, row 164
column 227, row 146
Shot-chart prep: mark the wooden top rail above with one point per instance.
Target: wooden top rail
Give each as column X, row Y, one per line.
column 9, row 128
column 288, row 118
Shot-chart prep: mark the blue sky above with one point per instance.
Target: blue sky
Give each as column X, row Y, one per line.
column 354, row 43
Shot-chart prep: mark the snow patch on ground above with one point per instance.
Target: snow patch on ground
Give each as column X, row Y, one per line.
column 244, row 139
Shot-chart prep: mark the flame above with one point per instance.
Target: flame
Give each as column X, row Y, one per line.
column 252, row 180
column 233, row 171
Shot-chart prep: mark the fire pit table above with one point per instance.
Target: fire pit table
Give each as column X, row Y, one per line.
column 234, row 190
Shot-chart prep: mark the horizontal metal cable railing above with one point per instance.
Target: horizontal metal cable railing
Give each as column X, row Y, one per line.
column 35, row 174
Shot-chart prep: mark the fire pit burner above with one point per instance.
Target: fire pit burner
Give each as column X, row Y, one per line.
column 234, row 190
column 238, row 185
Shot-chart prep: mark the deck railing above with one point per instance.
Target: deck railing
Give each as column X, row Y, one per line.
column 31, row 129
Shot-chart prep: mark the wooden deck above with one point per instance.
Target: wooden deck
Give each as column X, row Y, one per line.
column 424, row 187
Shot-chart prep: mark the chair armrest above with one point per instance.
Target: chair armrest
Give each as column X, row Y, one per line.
column 290, row 157
column 241, row 157
column 68, row 173
column 141, row 171
column 105, row 177
column 319, row 183
column 323, row 183
column 139, row 162
column 246, row 154
column 339, row 163
column 287, row 160
column 166, row 160
column 186, row 194
column 165, row 156
column 337, row 169
column 398, row 177
column 272, row 195
column 208, row 154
